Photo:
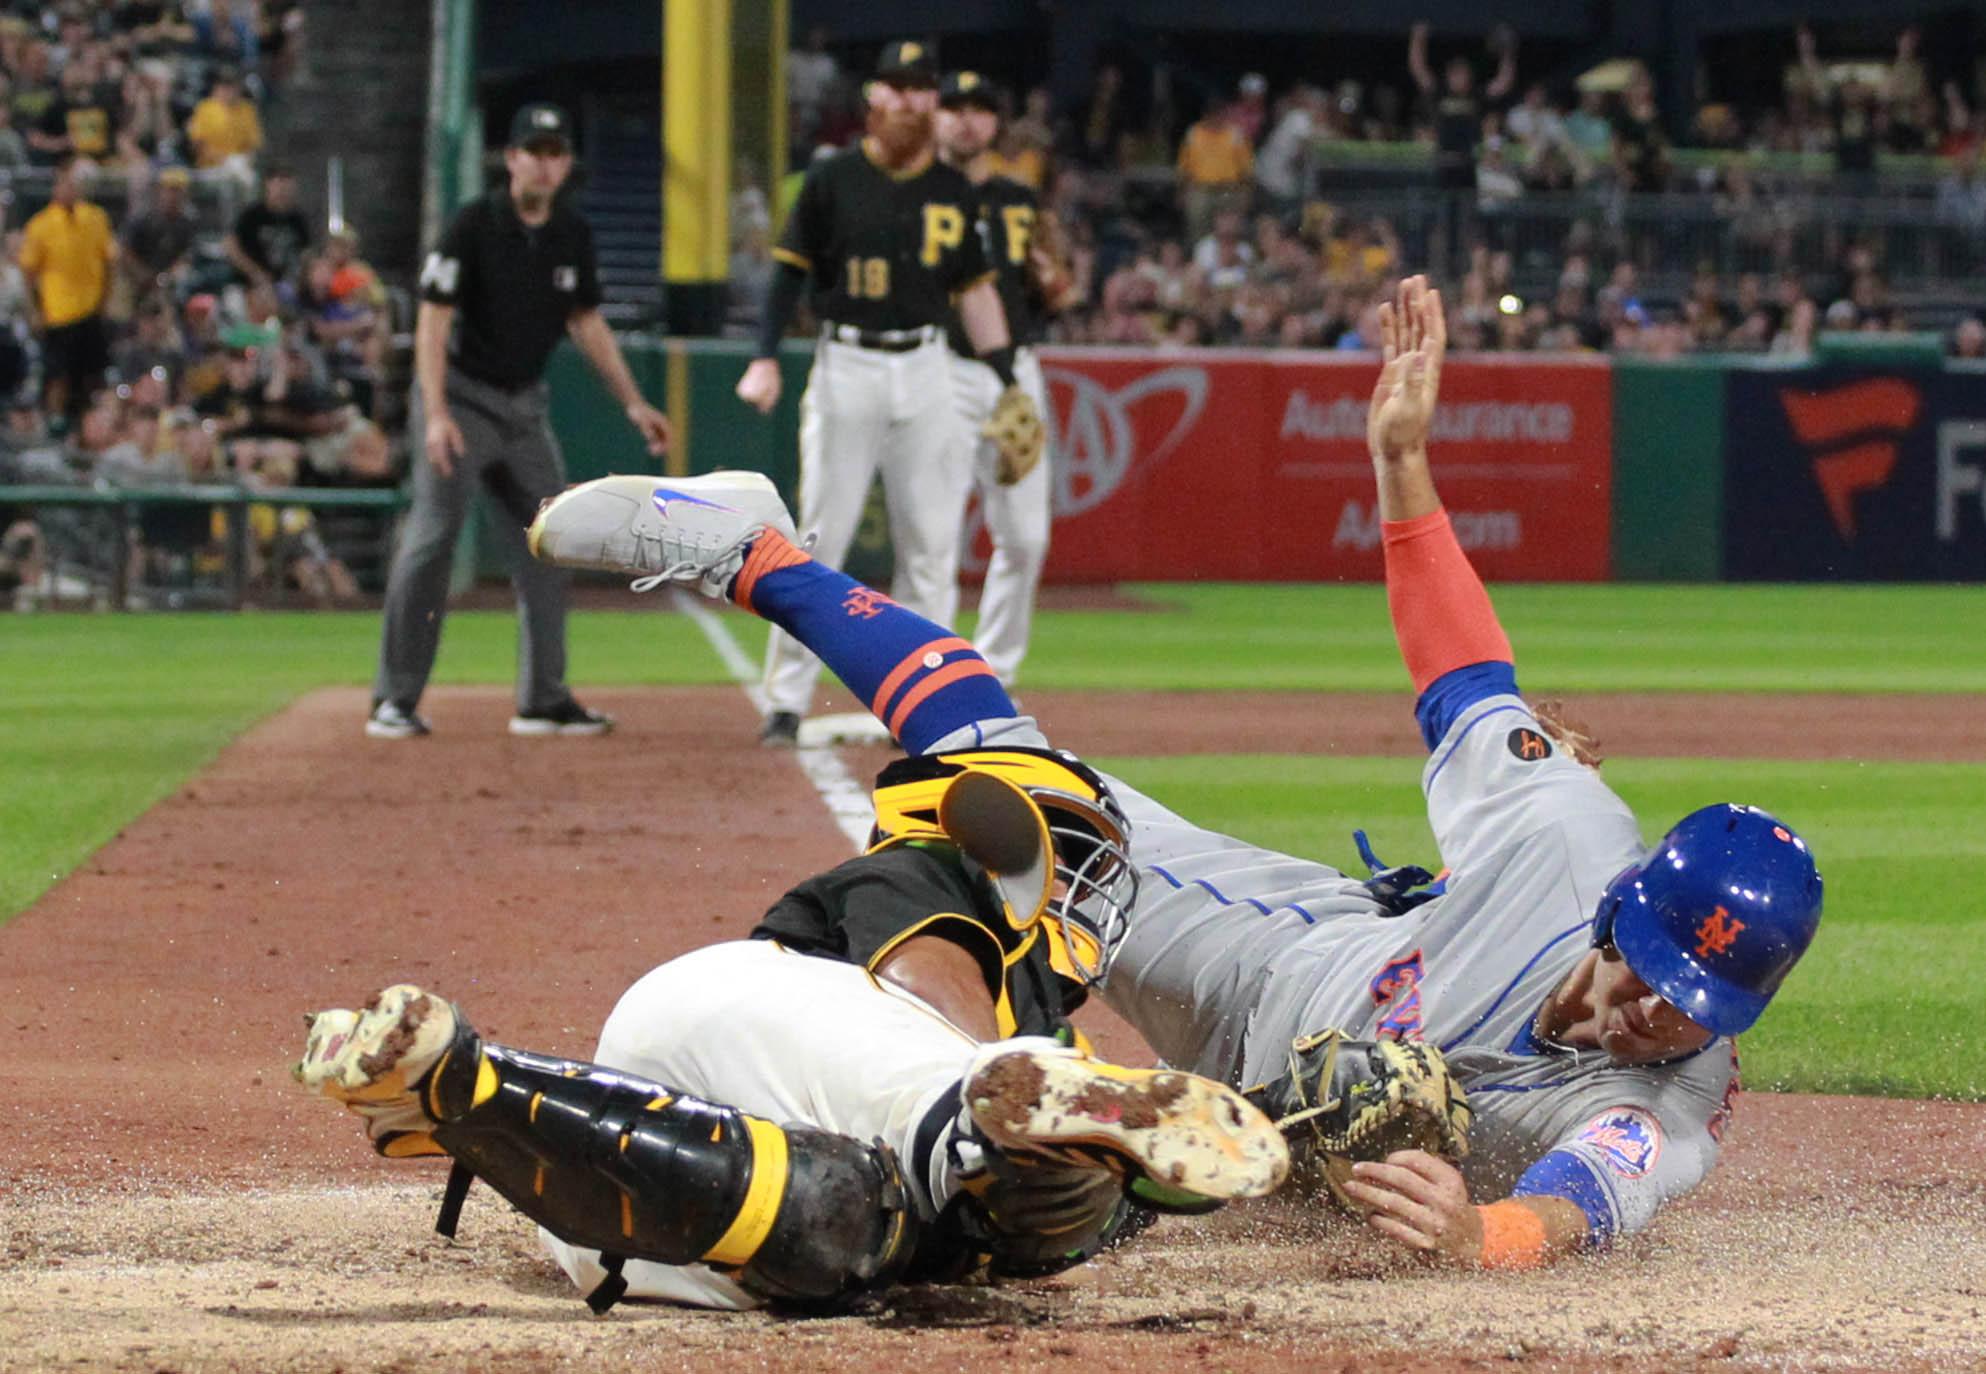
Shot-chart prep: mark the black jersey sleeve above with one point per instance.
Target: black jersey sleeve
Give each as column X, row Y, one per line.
column 447, row 270
column 809, row 229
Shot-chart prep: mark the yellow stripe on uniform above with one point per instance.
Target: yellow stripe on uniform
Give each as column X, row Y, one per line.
column 793, row 259
column 753, row 1223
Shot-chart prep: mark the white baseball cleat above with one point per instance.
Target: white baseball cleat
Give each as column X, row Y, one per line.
column 660, row 529
column 1178, row 1129
column 376, row 1059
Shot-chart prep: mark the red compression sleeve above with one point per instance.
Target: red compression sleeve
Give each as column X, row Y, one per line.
column 1441, row 613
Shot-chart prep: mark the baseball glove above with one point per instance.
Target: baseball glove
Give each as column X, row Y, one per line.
column 1016, row 430
column 1342, row 1101
column 1574, row 735
column 1049, row 267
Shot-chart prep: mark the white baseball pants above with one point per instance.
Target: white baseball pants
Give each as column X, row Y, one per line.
column 866, row 411
column 789, row 1038
column 1017, row 517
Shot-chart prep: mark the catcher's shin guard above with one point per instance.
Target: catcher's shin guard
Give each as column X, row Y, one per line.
column 623, row 1165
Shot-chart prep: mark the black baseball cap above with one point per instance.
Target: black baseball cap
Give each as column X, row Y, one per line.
column 907, row 62
column 969, row 88
column 540, row 121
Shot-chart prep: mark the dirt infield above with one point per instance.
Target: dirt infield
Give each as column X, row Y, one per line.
column 173, row 1203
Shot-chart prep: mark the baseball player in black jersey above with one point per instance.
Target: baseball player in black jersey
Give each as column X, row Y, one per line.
column 1033, row 283
column 883, row 234
column 512, row 274
column 794, row 1117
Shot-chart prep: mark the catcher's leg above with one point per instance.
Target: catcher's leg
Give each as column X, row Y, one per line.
column 614, row 1162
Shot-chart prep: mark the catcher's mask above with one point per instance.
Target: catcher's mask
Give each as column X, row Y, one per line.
column 1095, row 884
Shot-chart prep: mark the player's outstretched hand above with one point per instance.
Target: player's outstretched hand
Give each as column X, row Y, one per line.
column 759, row 387
column 1413, row 336
column 1421, row 1202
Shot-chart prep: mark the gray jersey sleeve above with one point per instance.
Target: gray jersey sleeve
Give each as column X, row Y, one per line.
column 1633, row 1140
column 1497, row 778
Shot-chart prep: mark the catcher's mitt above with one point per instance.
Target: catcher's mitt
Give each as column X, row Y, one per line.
column 1016, row 430
column 1048, row 264
column 1342, row 1101
column 1574, row 735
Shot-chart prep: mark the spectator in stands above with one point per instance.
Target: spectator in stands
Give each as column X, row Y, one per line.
column 270, row 236
column 158, row 241
column 812, row 77
column 1455, row 107
column 1250, row 111
column 1215, row 163
column 1023, row 149
column 1100, row 134
column 34, row 85
column 13, row 148
column 1282, row 168
column 344, row 312
column 225, row 129
column 78, row 120
column 1591, row 132
column 224, row 31
column 1641, row 148
column 1969, row 339
column 23, row 559
column 67, row 250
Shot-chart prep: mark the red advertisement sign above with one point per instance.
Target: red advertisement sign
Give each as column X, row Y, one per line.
column 1252, row 466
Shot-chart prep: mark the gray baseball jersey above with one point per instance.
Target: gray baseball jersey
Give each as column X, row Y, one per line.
column 1234, row 950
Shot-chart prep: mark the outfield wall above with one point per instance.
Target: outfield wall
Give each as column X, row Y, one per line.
column 1234, row 464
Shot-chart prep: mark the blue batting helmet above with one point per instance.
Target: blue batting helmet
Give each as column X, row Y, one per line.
column 1717, row 915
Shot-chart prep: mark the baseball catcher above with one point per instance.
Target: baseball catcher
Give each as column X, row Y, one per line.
column 791, row 1119
column 1584, row 987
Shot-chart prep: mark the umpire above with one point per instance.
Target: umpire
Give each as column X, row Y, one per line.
column 517, row 268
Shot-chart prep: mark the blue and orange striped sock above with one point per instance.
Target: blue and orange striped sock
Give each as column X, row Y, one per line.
column 920, row 679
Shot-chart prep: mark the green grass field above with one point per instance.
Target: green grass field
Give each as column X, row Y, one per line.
column 105, row 715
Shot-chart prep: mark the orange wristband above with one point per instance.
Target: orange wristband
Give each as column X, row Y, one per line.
column 1513, row 1236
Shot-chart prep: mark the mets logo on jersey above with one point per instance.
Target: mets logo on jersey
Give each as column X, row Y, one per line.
column 1397, row 987
column 1529, row 745
column 1629, row 1139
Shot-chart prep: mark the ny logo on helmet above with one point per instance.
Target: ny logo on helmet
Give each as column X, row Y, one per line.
column 1717, row 933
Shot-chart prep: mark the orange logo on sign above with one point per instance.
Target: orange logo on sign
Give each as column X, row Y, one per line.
column 1717, row 933
column 865, row 603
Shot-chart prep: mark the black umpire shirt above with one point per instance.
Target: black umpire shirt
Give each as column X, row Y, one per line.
column 1006, row 212
column 513, row 286
column 885, row 251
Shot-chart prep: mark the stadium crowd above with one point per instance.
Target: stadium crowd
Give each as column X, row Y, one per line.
column 1239, row 227
column 168, row 315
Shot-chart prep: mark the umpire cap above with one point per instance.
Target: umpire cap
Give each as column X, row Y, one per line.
column 541, row 122
column 907, row 62
column 969, row 88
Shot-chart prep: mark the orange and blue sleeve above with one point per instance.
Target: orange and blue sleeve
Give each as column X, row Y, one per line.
column 1455, row 649
column 919, row 679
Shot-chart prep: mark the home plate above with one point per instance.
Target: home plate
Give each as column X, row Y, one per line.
column 850, row 727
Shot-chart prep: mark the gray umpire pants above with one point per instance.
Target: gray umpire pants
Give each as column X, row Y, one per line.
column 510, row 452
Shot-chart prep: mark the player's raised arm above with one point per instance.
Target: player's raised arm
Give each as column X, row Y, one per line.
column 1455, row 650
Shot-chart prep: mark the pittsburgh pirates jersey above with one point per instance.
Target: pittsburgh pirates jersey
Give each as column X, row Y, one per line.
column 884, row 251
column 861, row 911
column 1005, row 217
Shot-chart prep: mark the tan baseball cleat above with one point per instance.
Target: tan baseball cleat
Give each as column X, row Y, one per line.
column 1177, row 1129
column 377, row 1061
